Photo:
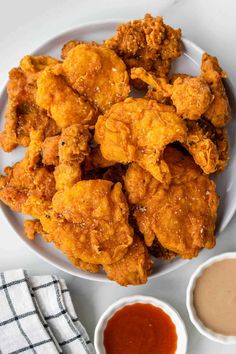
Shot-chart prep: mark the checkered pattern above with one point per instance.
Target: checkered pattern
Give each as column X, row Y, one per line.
column 37, row 316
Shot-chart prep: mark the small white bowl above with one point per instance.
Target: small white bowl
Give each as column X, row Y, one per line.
column 170, row 311
column 216, row 337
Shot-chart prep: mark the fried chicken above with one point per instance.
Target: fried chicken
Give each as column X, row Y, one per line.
column 114, row 181
column 72, row 149
column 139, row 130
column 191, row 96
column 98, row 74
column 182, row 217
column 61, row 102
column 133, row 268
column 208, row 145
column 96, row 229
column 26, row 180
column 50, row 150
column 218, row 112
column 23, row 115
column 32, row 65
column 159, row 252
column 32, row 228
column 147, row 43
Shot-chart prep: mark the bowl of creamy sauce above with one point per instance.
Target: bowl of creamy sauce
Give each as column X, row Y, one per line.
column 211, row 298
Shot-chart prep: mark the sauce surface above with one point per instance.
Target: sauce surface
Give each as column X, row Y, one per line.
column 140, row 329
column 214, row 297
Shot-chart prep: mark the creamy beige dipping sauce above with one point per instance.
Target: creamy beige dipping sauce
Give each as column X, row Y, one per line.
column 214, row 297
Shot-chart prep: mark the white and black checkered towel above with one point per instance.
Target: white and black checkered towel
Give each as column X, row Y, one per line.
column 37, row 316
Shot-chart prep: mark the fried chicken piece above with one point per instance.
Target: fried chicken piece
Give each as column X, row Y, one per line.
column 50, row 150
column 158, row 83
column 139, row 130
column 160, row 91
column 66, row 175
column 23, row 115
column 72, row 149
column 176, row 76
column 32, row 65
column 218, row 112
column 147, row 43
column 208, row 145
column 191, row 96
column 68, row 46
column 85, row 266
column 182, row 217
column 32, row 228
column 133, row 268
column 158, row 251
column 96, row 160
column 22, row 181
column 96, row 229
column 98, row 74
column 73, row 143
column 61, row 102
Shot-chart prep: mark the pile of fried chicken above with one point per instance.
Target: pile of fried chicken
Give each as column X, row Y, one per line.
column 112, row 180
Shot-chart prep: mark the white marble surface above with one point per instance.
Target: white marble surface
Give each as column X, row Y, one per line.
column 26, row 24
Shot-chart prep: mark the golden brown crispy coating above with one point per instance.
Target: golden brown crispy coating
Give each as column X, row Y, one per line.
column 61, row 102
column 219, row 111
column 72, row 149
column 158, row 87
column 32, row 228
column 50, row 150
column 85, row 266
column 23, row 115
column 28, row 180
column 182, row 216
column 73, row 143
column 32, row 65
column 158, row 251
column 158, row 83
column 147, row 43
column 96, row 160
column 208, row 145
column 96, row 229
column 133, row 268
column 175, row 76
column 98, row 74
column 67, row 174
column 139, row 130
column 20, row 183
column 191, row 96
column 70, row 45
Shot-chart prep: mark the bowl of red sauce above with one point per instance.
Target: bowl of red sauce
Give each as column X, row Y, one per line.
column 211, row 298
column 140, row 325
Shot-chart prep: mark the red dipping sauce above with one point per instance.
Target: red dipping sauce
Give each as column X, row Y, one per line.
column 140, row 329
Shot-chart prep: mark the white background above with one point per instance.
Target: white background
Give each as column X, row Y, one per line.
column 26, row 24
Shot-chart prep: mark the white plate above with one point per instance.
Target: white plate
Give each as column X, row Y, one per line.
column 189, row 63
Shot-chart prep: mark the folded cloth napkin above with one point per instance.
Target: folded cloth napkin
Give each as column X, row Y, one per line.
column 37, row 316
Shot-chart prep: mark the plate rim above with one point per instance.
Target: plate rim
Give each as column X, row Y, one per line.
column 83, row 274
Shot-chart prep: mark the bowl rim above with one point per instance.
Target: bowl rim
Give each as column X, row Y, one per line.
column 181, row 331
column 202, row 329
